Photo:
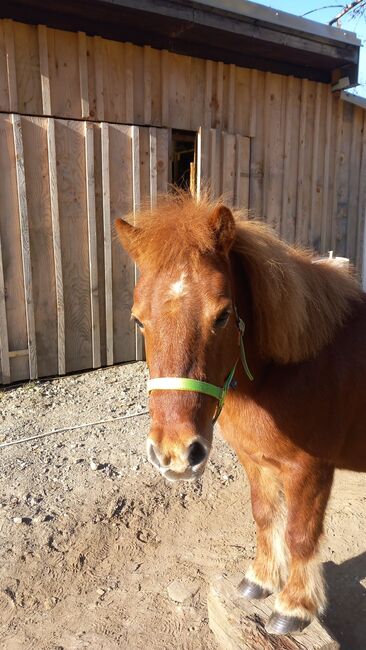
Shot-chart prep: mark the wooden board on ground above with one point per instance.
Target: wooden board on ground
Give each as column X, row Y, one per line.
column 238, row 624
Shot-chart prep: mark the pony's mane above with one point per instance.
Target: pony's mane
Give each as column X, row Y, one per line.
column 298, row 305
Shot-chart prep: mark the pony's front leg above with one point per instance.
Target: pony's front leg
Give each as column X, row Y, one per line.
column 307, row 489
column 265, row 575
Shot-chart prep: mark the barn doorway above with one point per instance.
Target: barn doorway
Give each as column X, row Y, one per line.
column 184, row 145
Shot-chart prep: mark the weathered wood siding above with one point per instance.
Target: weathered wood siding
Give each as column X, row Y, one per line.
column 84, row 136
column 66, row 284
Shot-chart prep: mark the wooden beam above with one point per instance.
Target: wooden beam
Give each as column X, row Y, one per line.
column 147, row 84
column 83, row 74
column 231, row 98
column 99, row 77
column 326, row 220
column 92, row 242
column 136, row 202
column 107, row 228
column 15, row 354
column 129, row 83
column 10, row 65
column 301, row 157
column 314, row 225
column 208, row 94
column 4, row 342
column 24, row 235
column 44, row 70
column 219, row 93
column 239, row 624
column 153, row 167
column 57, row 254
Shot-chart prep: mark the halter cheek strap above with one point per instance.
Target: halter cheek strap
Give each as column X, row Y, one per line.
column 196, row 386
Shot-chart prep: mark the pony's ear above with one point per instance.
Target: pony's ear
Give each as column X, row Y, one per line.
column 128, row 236
column 223, row 225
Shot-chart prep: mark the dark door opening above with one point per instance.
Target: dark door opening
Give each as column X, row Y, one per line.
column 183, row 159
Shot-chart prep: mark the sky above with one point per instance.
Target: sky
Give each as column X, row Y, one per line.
column 299, row 7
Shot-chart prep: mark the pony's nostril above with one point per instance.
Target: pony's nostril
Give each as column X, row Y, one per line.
column 196, row 453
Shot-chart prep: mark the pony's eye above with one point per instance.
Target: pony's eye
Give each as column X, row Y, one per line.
column 222, row 318
column 137, row 321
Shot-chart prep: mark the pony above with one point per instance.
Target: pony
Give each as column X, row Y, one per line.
column 215, row 288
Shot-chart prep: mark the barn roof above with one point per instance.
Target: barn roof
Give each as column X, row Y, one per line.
column 232, row 31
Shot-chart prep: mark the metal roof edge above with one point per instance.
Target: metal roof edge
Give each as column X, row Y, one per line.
column 353, row 99
column 280, row 19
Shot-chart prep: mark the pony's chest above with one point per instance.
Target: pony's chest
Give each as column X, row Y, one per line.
column 250, row 429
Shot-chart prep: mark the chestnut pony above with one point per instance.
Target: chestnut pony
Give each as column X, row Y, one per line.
column 296, row 407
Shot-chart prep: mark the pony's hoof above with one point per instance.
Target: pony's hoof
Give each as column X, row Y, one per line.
column 252, row 591
column 280, row 624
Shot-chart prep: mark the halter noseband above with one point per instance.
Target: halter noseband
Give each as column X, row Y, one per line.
column 185, row 383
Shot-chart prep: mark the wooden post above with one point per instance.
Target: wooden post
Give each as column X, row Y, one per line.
column 239, row 624
column 4, row 343
column 92, row 236
column 136, row 201
column 108, row 273
column 57, row 254
column 24, row 235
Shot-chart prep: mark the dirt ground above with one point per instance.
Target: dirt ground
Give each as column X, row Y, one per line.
column 96, row 548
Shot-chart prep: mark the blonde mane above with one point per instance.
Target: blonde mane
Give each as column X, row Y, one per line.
column 298, row 306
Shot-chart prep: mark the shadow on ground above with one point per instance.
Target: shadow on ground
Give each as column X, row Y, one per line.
column 346, row 614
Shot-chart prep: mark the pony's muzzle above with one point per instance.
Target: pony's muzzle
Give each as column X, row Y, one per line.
column 187, row 464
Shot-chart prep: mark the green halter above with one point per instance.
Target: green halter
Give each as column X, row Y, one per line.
column 185, row 383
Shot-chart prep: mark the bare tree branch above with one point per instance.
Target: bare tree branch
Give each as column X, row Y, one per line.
column 320, row 8
column 346, row 9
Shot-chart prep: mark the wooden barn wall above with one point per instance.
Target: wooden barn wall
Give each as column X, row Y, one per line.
column 286, row 148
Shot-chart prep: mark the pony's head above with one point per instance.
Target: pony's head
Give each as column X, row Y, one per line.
column 183, row 306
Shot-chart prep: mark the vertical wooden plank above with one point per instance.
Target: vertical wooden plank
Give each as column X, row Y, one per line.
column 107, row 243
column 354, row 164
column 361, row 219
column 43, row 68
column 338, row 139
column 99, row 81
column 231, row 98
column 215, row 163
column 257, row 153
column 92, row 242
column 242, row 163
column 10, row 64
column 326, row 220
column 136, row 200
column 208, row 94
column 163, row 159
column 83, row 74
column 273, row 158
column 301, row 157
column 24, row 233
column 147, row 84
column 165, row 74
column 314, row 222
column 287, row 221
column 153, row 167
column 219, row 94
column 4, row 341
column 129, row 83
column 64, row 72
column 228, row 167
column 57, row 255
column 253, row 104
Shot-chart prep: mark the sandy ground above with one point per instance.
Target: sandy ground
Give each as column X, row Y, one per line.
column 96, row 549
